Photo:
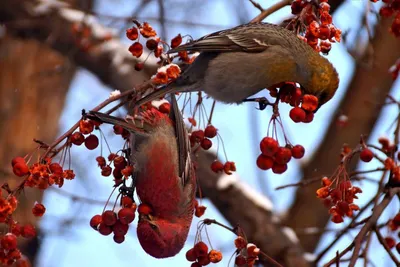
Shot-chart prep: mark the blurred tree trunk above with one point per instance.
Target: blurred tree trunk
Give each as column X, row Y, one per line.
column 34, row 81
column 361, row 104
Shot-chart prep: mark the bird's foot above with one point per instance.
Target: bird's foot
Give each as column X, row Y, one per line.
column 262, row 102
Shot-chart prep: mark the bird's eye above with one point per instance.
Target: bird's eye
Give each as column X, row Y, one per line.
column 153, row 227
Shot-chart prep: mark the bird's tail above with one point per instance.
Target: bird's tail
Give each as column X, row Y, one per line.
column 158, row 93
column 135, row 126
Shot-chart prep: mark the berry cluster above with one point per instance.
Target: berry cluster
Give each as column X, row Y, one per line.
column 9, row 252
column 276, row 157
column 246, row 253
column 121, row 169
column 200, row 256
column 41, row 175
column 320, row 32
column 118, row 223
column 391, row 8
column 228, row 167
column 303, row 105
column 166, row 74
column 152, row 43
column 199, row 209
column 339, row 199
column 202, row 137
column 390, row 164
column 85, row 136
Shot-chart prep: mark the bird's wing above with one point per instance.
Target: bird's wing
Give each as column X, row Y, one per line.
column 182, row 140
column 252, row 37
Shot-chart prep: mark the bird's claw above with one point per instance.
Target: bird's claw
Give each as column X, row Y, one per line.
column 262, row 102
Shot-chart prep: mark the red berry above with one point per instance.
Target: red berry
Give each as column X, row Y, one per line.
column 91, row 142
column 217, row 166
column 201, row 249
column 396, row 219
column 165, row 108
column 325, row 47
column 297, row 114
column 139, row 66
column 126, row 215
column 20, row 169
column 296, row 7
column 269, row 146
column 132, row 33
column 16, row 229
column 126, row 202
column 324, row 6
column 120, row 228
column 112, row 156
column 203, row 260
column 206, row 144
column 279, row 168
column 86, row 126
column 398, row 247
column 95, row 221
column 38, row 210
column 215, row 256
column 366, row 155
column 325, row 17
column 197, row 136
column 117, row 174
column 145, row 209
column 210, row 131
column 191, row 255
column 23, row 262
column 283, row 155
column 199, row 211
column 28, row 231
column 176, row 41
column 120, row 162
column 9, row 241
column 390, row 242
column 151, row 44
column 264, row 162
column 119, row 239
column 298, row 151
column 17, row 160
column 324, row 32
column 101, row 161
column 309, row 117
column 118, row 130
column 240, row 260
column 104, row 229
column 240, row 242
column 136, row 49
column 106, row 171
column 109, row 217
column 252, row 250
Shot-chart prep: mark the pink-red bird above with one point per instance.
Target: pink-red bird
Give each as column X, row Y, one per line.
column 165, row 179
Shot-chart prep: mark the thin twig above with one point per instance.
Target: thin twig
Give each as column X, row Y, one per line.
column 268, row 11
